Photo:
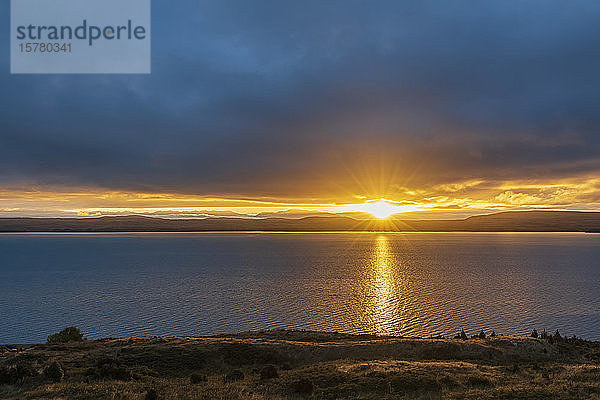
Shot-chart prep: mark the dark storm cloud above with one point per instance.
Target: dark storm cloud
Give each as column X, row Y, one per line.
column 272, row 98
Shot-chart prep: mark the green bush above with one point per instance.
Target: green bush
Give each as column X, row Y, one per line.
column 70, row 334
column 54, row 372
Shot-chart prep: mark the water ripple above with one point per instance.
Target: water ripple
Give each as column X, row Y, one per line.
column 199, row 284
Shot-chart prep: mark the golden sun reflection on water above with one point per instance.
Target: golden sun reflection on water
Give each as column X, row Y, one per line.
column 381, row 309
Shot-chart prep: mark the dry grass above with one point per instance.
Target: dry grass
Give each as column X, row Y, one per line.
column 330, row 366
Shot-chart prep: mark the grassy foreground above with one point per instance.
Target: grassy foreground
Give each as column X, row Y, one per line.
column 303, row 365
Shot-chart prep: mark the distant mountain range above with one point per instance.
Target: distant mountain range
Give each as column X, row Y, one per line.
column 516, row 221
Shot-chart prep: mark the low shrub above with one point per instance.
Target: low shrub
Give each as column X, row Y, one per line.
column 15, row 374
column 269, row 372
column 54, row 372
column 534, row 334
column 67, row 335
column 462, row 335
column 198, row 378
column 111, row 370
column 303, row 386
column 151, row 394
column 233, row 376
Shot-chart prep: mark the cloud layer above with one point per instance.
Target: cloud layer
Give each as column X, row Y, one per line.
column 324, row 101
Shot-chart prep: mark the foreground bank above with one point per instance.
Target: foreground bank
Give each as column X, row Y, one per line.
column 297, row 365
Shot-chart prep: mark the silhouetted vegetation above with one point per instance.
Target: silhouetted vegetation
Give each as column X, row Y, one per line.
column 462, row 335
column 108, row 368
column 54, row 372
column 534, row 334
column 269, row 372
column 70, row 334
column 16, row 373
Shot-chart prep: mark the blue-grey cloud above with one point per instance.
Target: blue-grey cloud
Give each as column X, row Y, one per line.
column 269, row 98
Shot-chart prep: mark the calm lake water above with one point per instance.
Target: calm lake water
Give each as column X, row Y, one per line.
column 417, row 284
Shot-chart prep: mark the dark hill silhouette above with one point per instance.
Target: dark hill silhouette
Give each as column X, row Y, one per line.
column 517, row 221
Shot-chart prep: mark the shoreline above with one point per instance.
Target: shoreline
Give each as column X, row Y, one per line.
column 290, row 232
column 307, row 334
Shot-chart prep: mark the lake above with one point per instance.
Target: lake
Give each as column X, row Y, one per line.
column 412, row 284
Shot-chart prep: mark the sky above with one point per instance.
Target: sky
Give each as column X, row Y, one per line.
column 443, row 108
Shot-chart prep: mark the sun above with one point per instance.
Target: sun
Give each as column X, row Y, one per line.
column 380, row 209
